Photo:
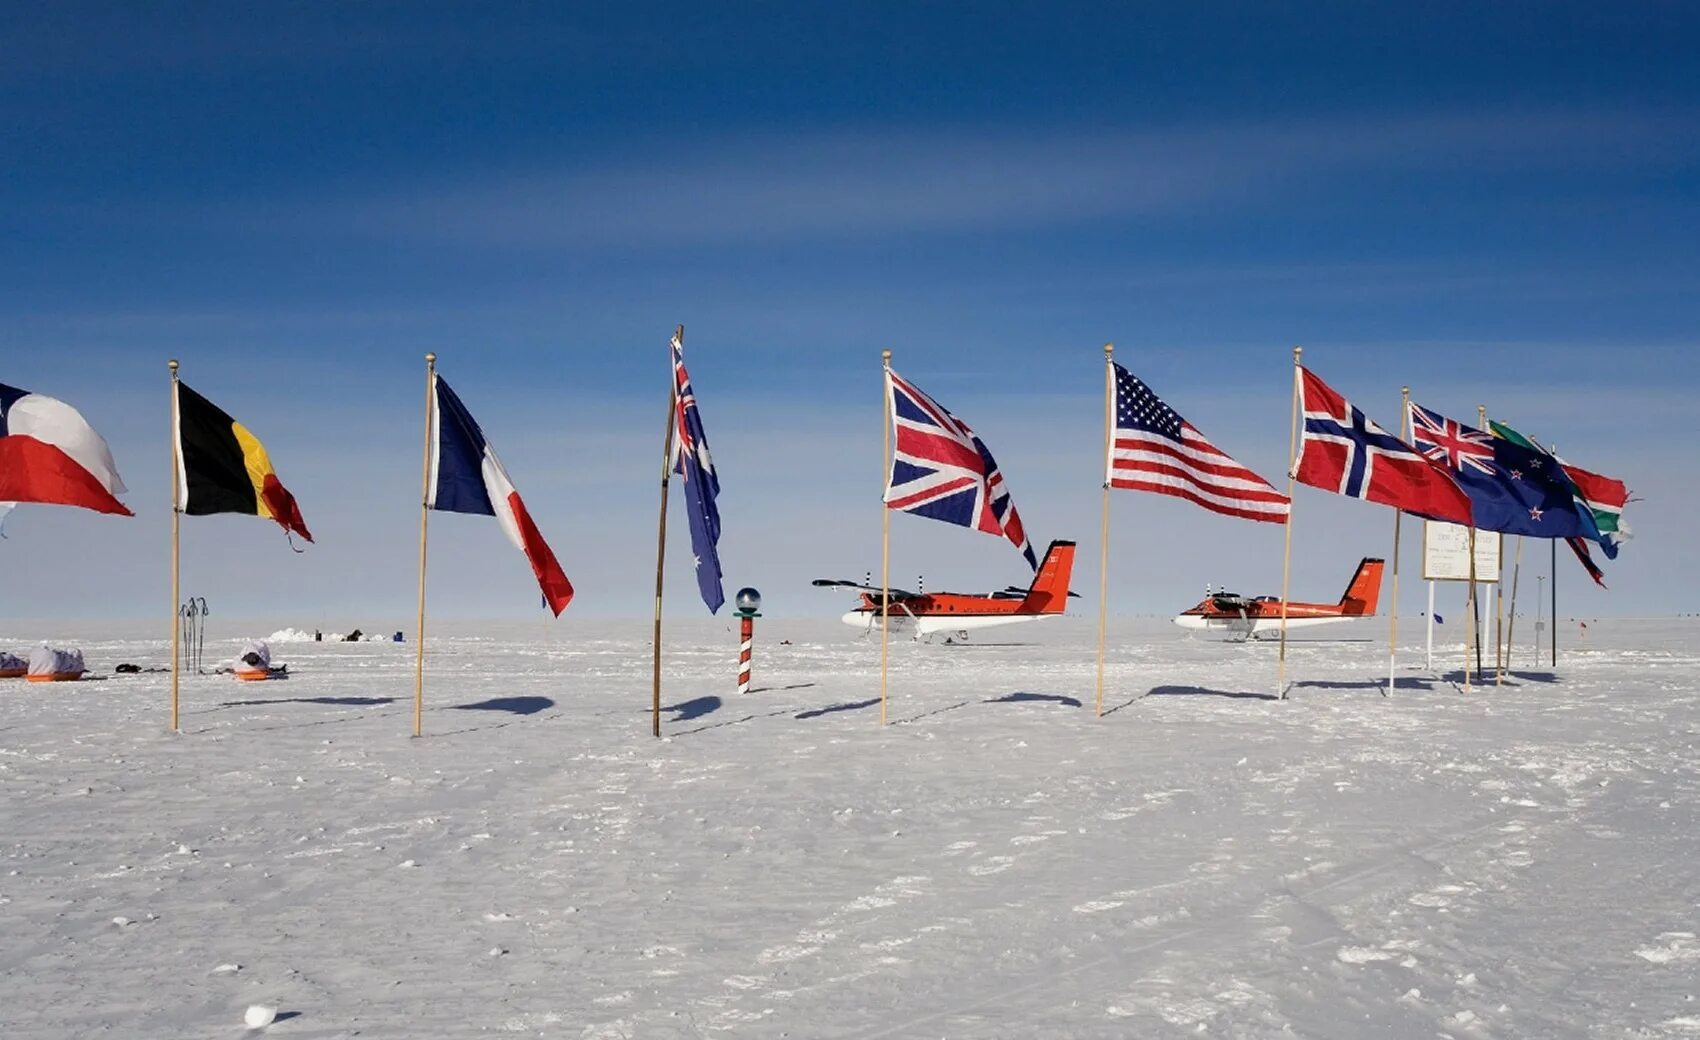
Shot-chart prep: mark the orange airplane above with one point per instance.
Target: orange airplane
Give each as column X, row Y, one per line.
column 1249, row 617
column 929, row 613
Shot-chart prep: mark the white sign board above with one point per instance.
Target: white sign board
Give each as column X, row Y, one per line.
column 1446, row 553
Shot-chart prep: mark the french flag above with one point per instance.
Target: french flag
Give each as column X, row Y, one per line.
column 50, row 454
column 467, row 477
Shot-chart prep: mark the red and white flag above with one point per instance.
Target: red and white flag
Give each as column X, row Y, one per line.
column 50, row 454
column 1344, row 452
column 1154, row 449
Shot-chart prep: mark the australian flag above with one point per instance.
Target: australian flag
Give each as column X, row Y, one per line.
column 1512, row 489
column 702, row 485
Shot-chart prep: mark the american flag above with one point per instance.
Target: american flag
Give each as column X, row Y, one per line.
column 939, row 468
column 1156, row 450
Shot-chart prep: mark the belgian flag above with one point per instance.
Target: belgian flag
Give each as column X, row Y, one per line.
column 222, row 468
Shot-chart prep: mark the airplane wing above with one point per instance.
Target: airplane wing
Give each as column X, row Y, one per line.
column 837, row 583
column 1017, row 592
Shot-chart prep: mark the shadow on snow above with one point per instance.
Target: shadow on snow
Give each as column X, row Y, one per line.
column 511, row 705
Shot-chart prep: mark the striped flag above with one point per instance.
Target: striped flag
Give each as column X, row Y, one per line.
column 223, row 468
column 1157, row 450
column 467, row 477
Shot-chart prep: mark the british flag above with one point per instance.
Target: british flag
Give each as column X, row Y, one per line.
column 940, row 469
column 1450, row 443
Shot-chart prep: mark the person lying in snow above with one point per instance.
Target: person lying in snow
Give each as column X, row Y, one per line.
column 255, row 662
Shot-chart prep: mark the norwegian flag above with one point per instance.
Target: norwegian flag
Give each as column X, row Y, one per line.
column 940, row 469
column 1343, row 452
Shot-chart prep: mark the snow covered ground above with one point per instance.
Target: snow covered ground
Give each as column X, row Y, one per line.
column 1204, row 860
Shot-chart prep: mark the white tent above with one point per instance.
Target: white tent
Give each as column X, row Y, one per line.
column 46, row 663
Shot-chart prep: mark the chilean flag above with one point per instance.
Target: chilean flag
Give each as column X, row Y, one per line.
column 467, row 477
column 49, row 454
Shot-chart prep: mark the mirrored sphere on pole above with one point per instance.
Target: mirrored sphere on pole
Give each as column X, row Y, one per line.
column 748, row 600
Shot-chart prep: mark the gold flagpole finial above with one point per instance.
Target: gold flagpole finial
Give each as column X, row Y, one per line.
column 172, row 364
column 431, row 359
column 1297, row 352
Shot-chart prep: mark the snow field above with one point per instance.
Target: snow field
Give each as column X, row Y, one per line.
column 1204, row 860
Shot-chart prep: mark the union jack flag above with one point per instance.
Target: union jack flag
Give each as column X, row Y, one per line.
column 939, row 468
column 1450, row 443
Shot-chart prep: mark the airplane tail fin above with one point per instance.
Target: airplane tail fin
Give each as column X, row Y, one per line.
column 1049, row 591
column 1364, row 591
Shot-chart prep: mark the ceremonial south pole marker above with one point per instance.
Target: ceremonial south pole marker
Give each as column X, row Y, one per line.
column 749, row 603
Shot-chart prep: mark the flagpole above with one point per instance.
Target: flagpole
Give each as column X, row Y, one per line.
column 885, row 536
column 176, row 524
column 1511, row 625
column 1104, row 527
column 1428, row 661
column 1398, row 515
column 1287, row 553
column 1553, row 588
column 661, row 539
column 424, row 514
column 1498, row 586
column 1470, row 618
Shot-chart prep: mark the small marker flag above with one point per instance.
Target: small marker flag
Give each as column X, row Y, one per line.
column 222, row 468
column 467, row 477
column 50, row 454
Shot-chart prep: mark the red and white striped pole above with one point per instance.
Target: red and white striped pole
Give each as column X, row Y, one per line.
column 749, row 602
column 746, row 636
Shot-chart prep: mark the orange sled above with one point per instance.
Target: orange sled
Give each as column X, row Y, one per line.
column 13, row 673
column 57, row 677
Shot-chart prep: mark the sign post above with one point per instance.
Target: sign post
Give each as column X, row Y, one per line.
column 1447, row 557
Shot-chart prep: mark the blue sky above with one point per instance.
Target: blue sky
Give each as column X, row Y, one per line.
column 1496, row 206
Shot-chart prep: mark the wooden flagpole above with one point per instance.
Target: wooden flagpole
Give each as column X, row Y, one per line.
column 885, row 535
column 1498, row 586
column 1511, row 623
column 1470, row 617
column 661, row 534
column 176, row 524
column 1287, row 553
column 1398, row 515
column 424, row 514
column 1104, row 527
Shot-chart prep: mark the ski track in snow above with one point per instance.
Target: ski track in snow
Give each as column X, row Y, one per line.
column 1204, row 860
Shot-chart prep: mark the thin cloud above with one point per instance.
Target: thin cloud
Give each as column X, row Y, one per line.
column 862, row 184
